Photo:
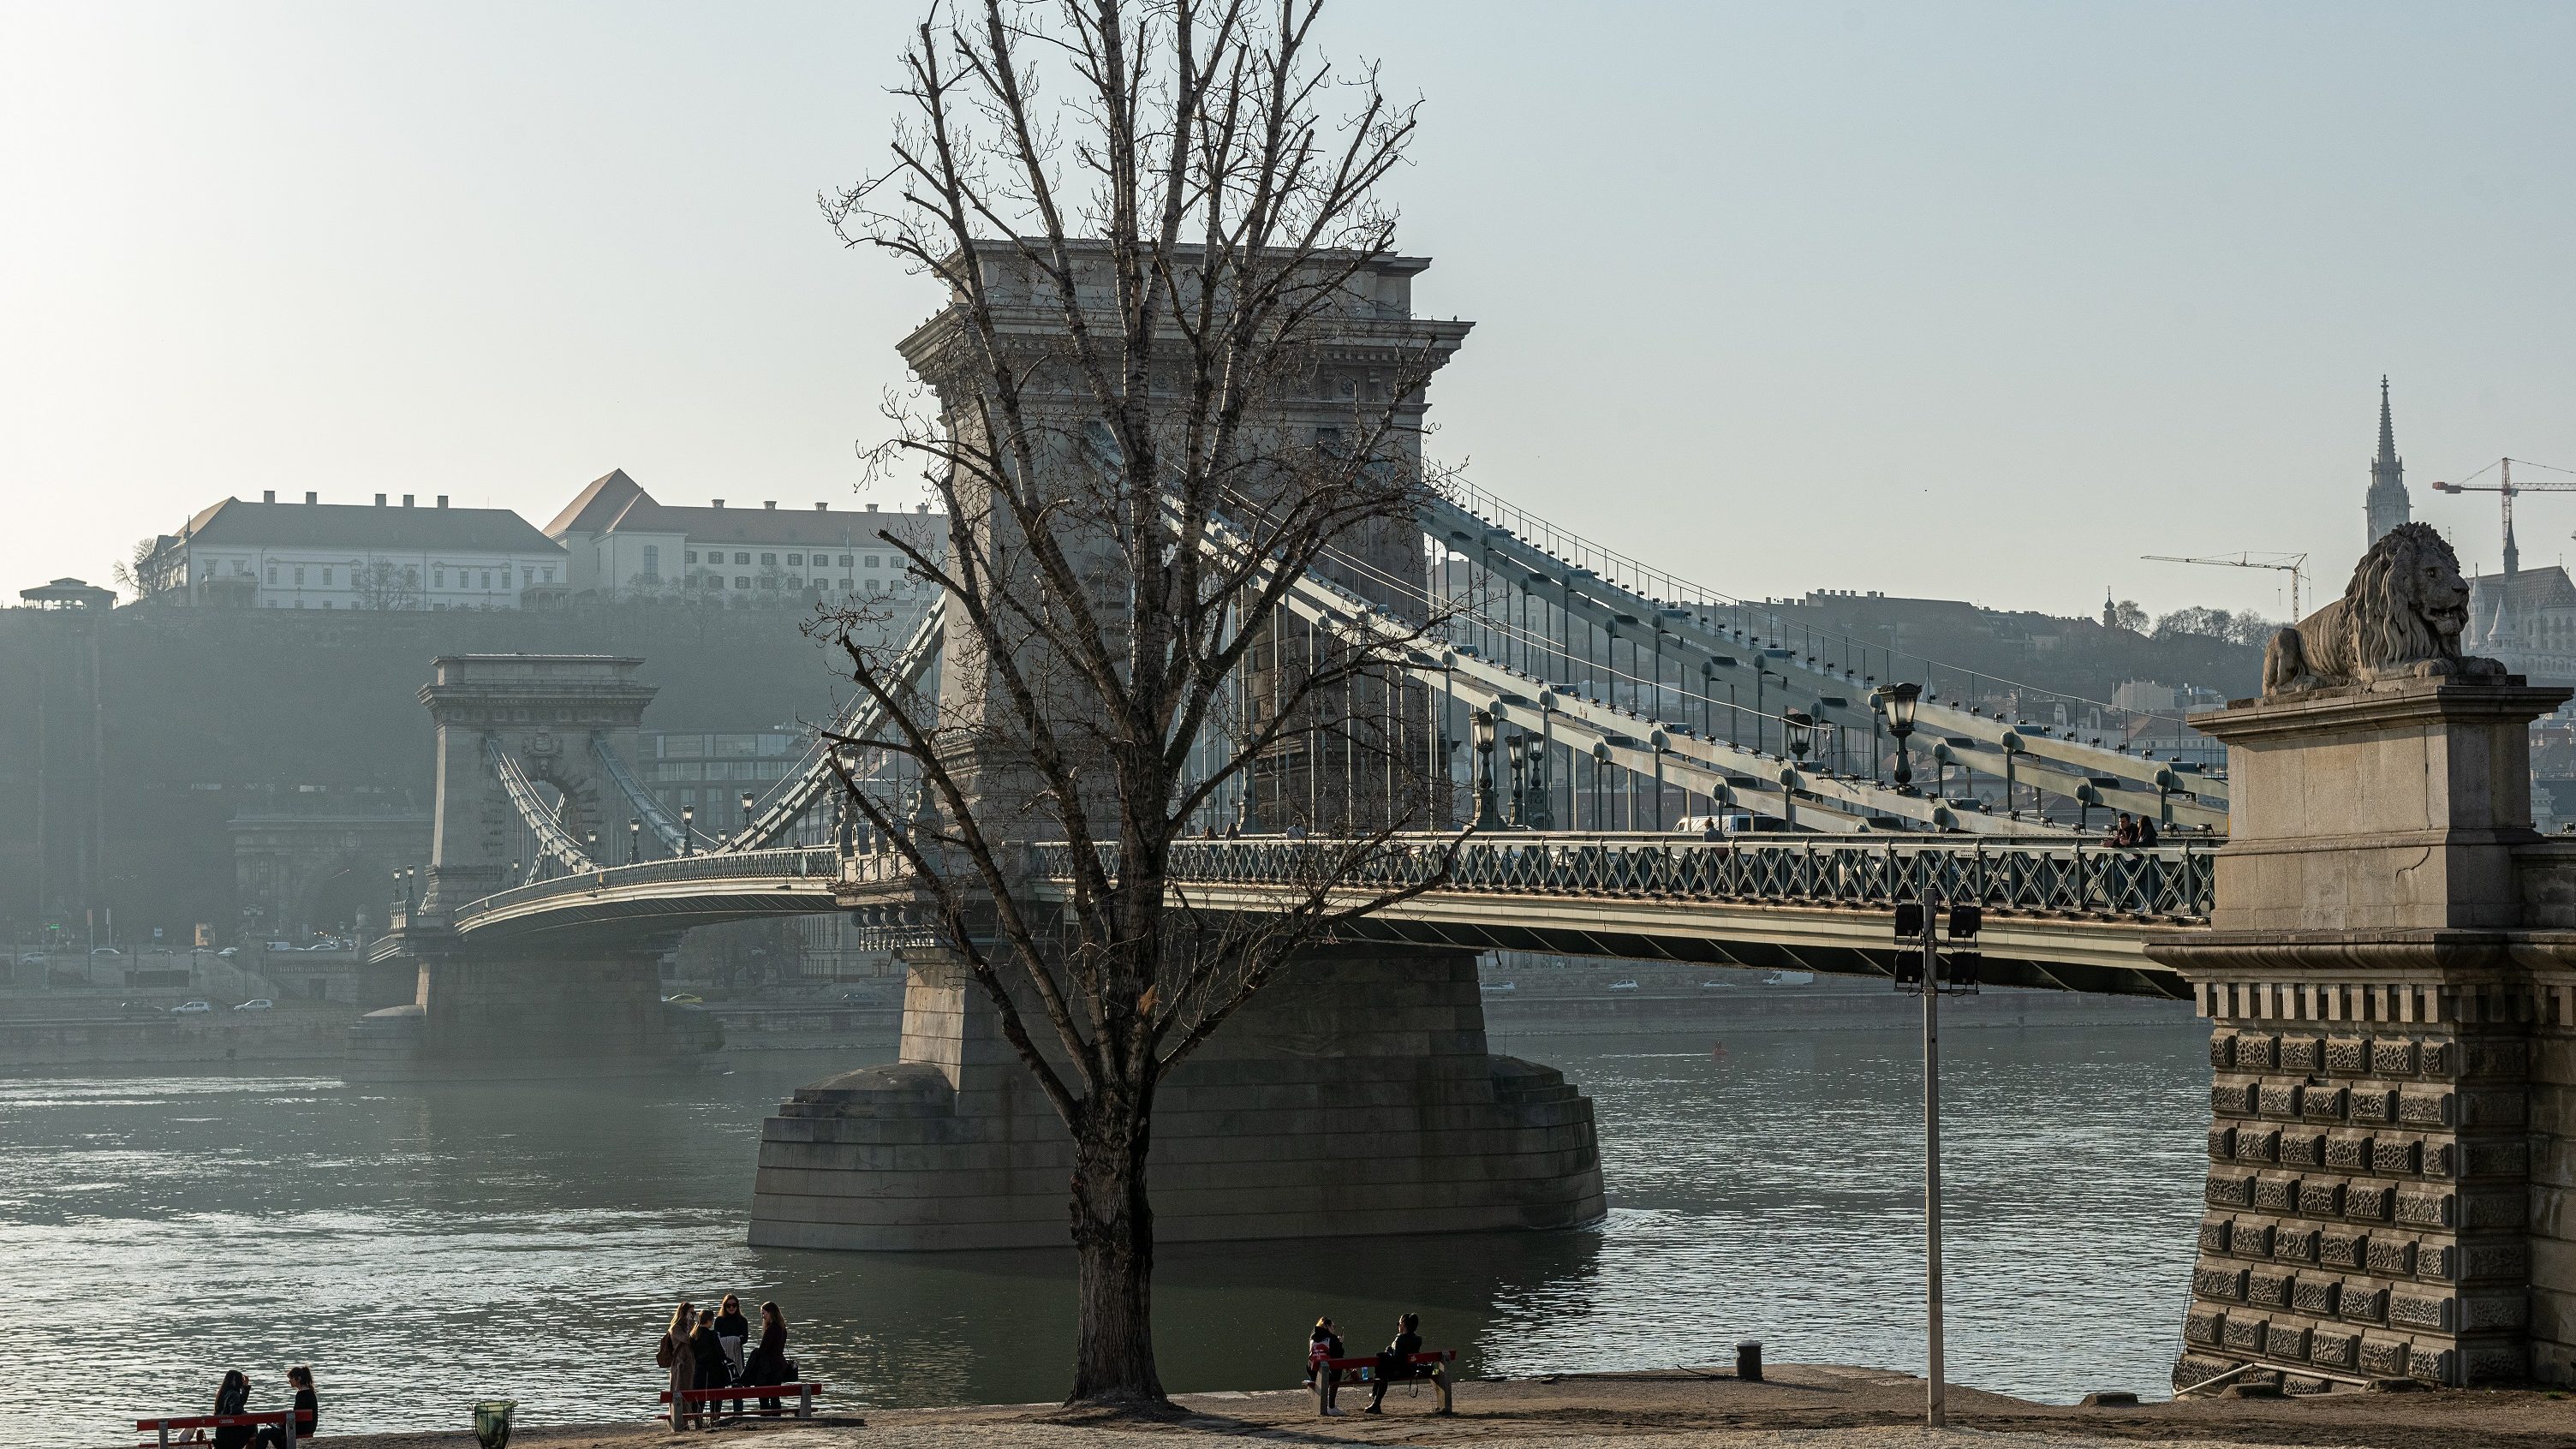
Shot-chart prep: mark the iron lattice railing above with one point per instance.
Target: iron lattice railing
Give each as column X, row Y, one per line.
column 2169, row 884
column 821, row 864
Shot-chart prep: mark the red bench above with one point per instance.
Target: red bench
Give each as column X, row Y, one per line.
column 707, row 1399
column 1361, row 1370
column 287, row 1417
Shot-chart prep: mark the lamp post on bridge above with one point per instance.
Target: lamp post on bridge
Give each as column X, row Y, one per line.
column 688, row 830
column 746, row 819
column 1488, row 806
column 634, row 840
column 1897, row 702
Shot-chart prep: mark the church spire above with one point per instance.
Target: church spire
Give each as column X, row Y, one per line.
column 2386, row 504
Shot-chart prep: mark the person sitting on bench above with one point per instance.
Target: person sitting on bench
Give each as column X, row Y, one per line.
column 1322, row 1346
column 1395, row 1361
column 308, row 1412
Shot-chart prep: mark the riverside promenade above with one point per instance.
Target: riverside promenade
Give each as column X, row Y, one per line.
column 1795, row 1407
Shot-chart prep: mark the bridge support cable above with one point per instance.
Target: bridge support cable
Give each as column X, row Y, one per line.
column 811, row 779
column 1534, row 576
column 1641, row 746
column 656, row 817
column 545, row 827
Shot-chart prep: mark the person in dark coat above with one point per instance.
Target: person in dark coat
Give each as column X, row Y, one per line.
column 731, row 1330
column 1395, row 1361
column 710, row 1352
column 768, row 1362
column 233, row 1397
column 308, row 1412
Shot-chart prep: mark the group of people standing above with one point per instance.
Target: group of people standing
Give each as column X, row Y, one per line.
column 2133, row 832
column 704, row 1349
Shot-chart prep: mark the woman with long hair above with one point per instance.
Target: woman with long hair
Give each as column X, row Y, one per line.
column 233, row 1397
column 731, row 1330
column 676, row 1355
column 768, row 1363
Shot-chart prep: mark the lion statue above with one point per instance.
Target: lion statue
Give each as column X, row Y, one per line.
column 2400, row 618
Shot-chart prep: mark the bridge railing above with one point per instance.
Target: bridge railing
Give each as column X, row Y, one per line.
column 819, row 864
column 2168, row 884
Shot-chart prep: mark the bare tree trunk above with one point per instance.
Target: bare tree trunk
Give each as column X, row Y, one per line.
column 1113, row 1236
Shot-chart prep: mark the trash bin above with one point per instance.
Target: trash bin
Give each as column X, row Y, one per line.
column 492, row 1422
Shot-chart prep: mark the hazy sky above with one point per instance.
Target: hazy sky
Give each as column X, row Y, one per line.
column 1977, row 301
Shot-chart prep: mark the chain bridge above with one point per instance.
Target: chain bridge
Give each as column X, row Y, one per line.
column 1634, row 766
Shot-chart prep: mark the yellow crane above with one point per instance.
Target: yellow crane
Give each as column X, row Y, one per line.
column 2293, row 564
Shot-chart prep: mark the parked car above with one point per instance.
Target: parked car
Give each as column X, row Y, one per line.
column 191, row 1008
column 158, row 951
column 257, row 1003
column 229, row 952
column 31, row 958
column 138, row 1008
column 105, row 951
column 1623, row 985
column 684, row 998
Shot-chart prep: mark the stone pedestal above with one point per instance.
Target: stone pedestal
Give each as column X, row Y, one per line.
column 527, row 1011
column 2390, row 1003
column 1354, row 1095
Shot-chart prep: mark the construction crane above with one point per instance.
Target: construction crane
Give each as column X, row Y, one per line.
column 2293, row 564
column 2505, row 487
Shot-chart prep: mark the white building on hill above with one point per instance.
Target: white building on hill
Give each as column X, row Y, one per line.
column 316, row 555
column 624, row 543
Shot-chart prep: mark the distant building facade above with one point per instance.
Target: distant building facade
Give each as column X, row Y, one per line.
column 2387, row 504
column 2527, row 619
column 316, row 555
column 623, row 543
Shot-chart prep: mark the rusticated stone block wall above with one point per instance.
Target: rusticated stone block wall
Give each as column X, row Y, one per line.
column 2366, row 1195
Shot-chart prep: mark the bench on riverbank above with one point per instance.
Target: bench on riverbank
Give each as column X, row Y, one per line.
column 1426, row 1367
column 252, row 1422
column 707, row 1399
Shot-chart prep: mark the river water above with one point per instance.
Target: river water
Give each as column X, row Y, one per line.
column 425, row 1246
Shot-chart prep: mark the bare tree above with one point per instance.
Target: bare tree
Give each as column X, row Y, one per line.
column 1176, row 373
column 385, row 585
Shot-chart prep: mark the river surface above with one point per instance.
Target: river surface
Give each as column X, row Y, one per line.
column 425, row 1246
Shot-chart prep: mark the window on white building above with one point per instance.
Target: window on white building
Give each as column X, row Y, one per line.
column 845, row 560
column 769, row 560
column 272, row 573
column 874, row 561
column 326, row 578
column 546, row 575
column 438, row 578
column 693, row 555
column 796, row 560
column 652, row 561
column 487, row 578
column 742, row 558
column 794, row 582
column 299, row 576
column 741, row 581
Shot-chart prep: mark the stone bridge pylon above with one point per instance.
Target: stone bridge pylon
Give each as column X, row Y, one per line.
column 538, row 714
column 591, row 1001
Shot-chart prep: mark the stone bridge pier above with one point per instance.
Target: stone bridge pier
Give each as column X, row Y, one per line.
column 2390, row 979
column 588, row 1002
column 1354, row 1095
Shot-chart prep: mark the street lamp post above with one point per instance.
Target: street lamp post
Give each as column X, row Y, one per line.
column 688, row 830
column 1897, row 702
column 634, row 840
column 746, row 818
column 1917, row 934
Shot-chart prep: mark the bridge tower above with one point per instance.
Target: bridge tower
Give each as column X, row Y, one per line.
column 543, row 714
column 586, row 1003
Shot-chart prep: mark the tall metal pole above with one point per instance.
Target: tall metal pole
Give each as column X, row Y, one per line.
column 1936, row 1410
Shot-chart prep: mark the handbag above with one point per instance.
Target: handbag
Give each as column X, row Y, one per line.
column 664, row 1356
